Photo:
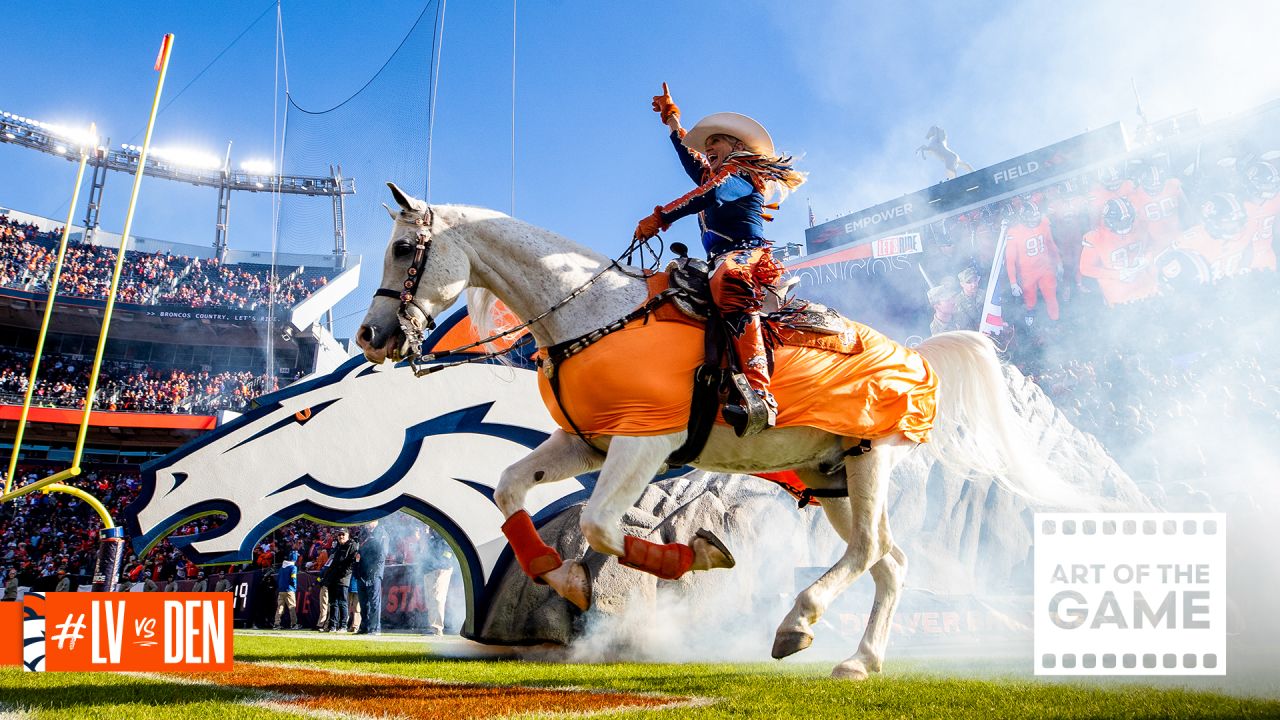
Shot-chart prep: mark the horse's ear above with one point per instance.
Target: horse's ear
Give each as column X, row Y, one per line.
column 405, row 201
column 394, row 215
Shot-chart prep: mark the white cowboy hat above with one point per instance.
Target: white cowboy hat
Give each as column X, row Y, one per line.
column 751, row 133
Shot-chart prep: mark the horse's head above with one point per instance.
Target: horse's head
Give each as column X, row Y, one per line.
column 424, row 270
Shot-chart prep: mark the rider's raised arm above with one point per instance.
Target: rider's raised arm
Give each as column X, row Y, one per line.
column 695, row 165
column 723, row 187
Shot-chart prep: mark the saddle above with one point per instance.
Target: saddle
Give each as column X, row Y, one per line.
column 682, row 295
column 719, row 383
column 693, row 278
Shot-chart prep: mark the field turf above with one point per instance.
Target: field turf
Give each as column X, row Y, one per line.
column 295, row 677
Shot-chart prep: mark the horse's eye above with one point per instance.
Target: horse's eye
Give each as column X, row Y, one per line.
column 401, row 250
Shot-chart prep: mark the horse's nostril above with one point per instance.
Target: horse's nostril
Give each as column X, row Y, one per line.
column 366, row 333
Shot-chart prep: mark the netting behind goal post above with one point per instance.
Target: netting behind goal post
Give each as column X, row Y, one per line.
column 378, row 134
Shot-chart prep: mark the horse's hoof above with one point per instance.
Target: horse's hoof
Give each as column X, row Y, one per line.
column 571, row 581
column 578, row 589
column 850, row 670
column 711, row 553
column 790, row 643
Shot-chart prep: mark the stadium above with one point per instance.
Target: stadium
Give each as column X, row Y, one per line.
column 210, row 412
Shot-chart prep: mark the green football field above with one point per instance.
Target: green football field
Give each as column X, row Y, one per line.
column 306, row 675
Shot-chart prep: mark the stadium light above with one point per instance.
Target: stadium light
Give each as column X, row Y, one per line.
column 258, row 167
column 187, row 157
column 78, row 136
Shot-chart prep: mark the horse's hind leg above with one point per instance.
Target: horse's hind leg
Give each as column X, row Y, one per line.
column 860, row 521
column 560, row 456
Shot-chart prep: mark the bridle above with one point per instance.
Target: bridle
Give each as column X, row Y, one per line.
column 414, row 331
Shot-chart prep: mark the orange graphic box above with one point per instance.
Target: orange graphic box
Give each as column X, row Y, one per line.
column 138, row 632
column 10, row 633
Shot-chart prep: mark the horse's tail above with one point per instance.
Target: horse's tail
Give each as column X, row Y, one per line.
column 977, row 430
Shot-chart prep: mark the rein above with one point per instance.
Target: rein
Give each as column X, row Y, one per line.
column 414, row 331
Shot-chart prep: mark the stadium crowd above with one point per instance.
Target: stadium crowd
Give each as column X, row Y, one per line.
column 49, row 538
column 126, row 387
column 48, row 543
column 27, row 257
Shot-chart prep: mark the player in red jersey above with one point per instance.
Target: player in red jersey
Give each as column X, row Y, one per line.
column 1117, row 253
column 1262, row 208
column 1222, row 241
column 1161, row 206
column 1032, row 261
column 1112, row 184
column 1069, row 221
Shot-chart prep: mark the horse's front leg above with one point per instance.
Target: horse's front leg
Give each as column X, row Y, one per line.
column 631, row 464
column 559, row 457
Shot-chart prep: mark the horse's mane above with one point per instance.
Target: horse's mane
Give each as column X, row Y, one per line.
column 481, row 307
column 485, row 311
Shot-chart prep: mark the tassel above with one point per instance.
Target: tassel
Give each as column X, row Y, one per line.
column 772, row 206
column 767, row 217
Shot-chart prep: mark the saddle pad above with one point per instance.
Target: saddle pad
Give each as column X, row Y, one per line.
column 639, row 381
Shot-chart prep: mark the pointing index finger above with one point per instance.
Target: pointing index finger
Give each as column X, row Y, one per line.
column 665, row 91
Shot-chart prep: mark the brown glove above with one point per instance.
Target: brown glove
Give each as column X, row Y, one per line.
column 651, row 225
column 665, row 106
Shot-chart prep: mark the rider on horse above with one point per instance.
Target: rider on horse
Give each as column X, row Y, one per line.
column 732, row 159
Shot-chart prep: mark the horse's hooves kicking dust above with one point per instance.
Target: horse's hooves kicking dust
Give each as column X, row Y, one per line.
column 709, row 552
column 790, row 643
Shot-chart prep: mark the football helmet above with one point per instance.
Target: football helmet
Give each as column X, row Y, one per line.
column 1111, row 176
column 1030, row 214
column 1263, row 179
column 1152, row 179
column 1223, row 215
column 1118, row 215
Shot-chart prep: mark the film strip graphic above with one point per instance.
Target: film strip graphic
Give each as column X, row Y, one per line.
column 1130, row 594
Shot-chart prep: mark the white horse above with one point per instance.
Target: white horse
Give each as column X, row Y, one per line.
column 531, row 270
column 937, row 147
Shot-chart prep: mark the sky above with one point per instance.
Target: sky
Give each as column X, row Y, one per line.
column 849, row 88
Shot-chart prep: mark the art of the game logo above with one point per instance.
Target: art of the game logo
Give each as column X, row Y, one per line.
column 1130, row 594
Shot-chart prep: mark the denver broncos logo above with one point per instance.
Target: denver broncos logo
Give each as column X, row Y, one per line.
column 357, row 444
column 33, row 632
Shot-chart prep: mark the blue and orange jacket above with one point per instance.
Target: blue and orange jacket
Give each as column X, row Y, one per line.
column 731, row 208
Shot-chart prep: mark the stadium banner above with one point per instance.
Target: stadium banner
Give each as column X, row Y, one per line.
column 175, row 312
column 104, row 418
column 1013, row 174
column 122, row 631
column 1089, row 226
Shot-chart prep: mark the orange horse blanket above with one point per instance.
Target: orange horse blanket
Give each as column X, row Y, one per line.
column 639, row 381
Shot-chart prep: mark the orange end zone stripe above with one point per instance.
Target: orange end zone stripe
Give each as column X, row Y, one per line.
column 371, row 695
column 63, row 416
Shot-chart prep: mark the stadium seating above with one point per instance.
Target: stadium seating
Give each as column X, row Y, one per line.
column 27, row 257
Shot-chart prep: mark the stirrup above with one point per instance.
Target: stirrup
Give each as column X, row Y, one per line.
column 753, row 415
